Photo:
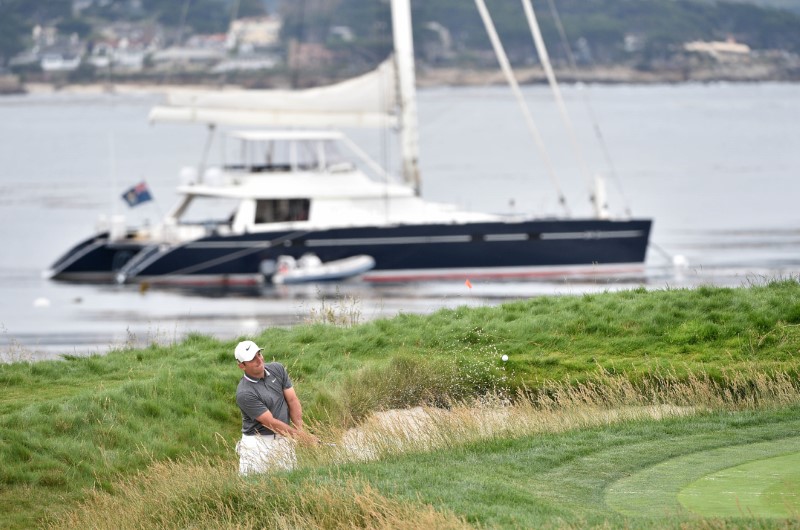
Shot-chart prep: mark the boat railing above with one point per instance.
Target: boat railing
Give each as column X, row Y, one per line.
column 261, row 168
column 337, row 167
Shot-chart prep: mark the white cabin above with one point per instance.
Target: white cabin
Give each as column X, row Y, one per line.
column 297, row 180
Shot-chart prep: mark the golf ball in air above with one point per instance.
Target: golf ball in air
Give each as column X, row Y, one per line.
column 504, row 357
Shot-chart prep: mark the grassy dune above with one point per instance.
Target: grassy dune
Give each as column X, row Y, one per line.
column 97, row 430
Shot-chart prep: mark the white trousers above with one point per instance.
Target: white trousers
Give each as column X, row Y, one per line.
column 260, row 454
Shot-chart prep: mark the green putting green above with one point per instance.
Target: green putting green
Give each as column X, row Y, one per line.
column 764, row 488
column 706, row 483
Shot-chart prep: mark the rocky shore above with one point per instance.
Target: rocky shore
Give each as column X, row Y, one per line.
column 10, row 84
column 750, row 72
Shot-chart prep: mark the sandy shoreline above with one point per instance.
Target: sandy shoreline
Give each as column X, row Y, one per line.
column 117, row 88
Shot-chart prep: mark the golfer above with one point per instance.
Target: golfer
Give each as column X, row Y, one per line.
column 272, row 418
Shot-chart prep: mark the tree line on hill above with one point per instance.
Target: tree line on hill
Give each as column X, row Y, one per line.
column 610, row 29
column 446, row 31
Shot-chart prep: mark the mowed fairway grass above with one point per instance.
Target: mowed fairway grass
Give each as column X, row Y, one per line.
column 767, row 487
column 641, row 409
column 639, row 474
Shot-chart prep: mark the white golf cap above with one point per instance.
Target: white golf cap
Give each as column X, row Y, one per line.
column 245, row 351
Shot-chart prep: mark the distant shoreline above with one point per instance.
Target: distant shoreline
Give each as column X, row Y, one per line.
column 442, row 77
column 747, row 73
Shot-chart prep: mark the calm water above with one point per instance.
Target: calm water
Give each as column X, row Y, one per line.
column 716, row 166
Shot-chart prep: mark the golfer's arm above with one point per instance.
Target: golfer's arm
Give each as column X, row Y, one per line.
column 295, row 409
column 275, row 425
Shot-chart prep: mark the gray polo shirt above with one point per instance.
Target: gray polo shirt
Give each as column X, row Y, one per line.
column 256, row 396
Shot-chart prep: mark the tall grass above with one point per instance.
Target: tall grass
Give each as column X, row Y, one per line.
column 554, row 407
column 80, row 424
column 209, row 493
column 344, row 310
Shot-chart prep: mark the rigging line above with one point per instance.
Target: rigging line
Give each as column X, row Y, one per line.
column 512, row 82
column 365, row 158
column 544, row 58
column 590, row 109
column 671, row 258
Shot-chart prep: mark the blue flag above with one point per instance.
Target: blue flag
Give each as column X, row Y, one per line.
column 137, row 194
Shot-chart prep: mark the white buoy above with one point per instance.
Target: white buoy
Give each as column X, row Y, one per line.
column 680, row 261
column 41, row 302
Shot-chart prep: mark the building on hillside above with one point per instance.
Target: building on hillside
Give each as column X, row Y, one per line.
column 146, row 36
column 250, row 63
column 124, row 46
column 727, row 50
column 54, row 51
column 633, row 43
column 130, row 60
column 198, row 53
column 187, row 58
column 249, row 34
column 59, row 62
column 44, row 35
column 119, row 58
column 216, row 41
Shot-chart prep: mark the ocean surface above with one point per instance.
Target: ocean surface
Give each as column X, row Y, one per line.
column 716, row 166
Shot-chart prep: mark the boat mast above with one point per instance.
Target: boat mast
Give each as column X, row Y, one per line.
column 406, row 81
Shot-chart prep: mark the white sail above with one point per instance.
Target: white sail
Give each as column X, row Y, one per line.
column 369, row 100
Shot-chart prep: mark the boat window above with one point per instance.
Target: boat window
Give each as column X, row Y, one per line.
column 282, row 210
column 286, row 155
column 202, row 210
column 271, row 156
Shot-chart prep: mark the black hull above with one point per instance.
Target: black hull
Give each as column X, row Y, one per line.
column 94, row 260
column 401, row 253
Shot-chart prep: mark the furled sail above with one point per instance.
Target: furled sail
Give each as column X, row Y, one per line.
column 369, row 100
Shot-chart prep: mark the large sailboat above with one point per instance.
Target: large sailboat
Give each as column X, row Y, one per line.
column 299, row 187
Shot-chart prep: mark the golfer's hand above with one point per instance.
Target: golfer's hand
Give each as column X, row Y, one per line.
column 307, row 439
